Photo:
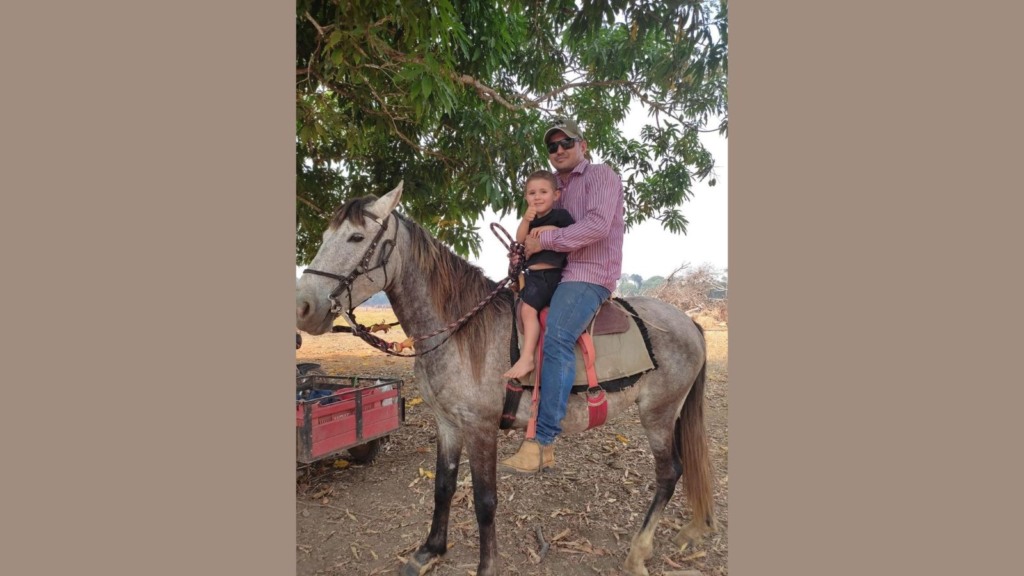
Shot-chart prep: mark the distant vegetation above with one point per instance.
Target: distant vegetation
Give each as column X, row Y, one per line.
column 378, row 300
column 698, row 290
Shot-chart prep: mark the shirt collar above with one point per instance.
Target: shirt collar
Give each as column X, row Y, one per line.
column 579, row 169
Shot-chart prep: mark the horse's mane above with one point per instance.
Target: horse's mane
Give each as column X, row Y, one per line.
column 458, row 286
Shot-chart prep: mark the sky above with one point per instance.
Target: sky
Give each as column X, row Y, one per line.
column 648, row 249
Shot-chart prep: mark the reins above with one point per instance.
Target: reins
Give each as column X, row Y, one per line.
column 395, row 348
column 517, row 257
column 516, row 252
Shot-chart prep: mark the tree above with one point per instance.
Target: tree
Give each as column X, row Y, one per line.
column 451, row 96
column 692, row 288
column 629, row 284
column 651, row 284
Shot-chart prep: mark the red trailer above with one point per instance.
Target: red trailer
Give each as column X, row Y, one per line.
column 338, row 413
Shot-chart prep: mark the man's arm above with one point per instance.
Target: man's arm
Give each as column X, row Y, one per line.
column 604, row 189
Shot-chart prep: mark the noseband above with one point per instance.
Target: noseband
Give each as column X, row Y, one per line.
column 345, row 282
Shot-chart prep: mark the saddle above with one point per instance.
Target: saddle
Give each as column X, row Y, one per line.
column 617, row 343
column 611, row 355
column 611, row 318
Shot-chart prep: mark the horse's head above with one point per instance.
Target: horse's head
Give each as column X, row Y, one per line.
column 353, row 263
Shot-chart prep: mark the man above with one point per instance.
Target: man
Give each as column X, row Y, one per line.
column 592, row 193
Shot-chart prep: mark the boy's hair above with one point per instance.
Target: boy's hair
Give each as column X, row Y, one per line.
column 546, row 175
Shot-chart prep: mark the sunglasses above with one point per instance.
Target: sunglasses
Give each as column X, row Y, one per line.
column 565, row 143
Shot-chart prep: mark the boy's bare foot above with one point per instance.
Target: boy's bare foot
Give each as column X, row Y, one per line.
column 521, row 368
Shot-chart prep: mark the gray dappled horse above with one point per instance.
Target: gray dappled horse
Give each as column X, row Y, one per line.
column 369, row 247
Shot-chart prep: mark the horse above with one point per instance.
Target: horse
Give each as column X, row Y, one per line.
column 369, row 246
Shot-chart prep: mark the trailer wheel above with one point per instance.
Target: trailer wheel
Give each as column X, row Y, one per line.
column 367, row 453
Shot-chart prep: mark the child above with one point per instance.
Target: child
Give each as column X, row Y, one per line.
column 543, row 269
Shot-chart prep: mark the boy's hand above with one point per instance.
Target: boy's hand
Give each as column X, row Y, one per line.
column 531, row 213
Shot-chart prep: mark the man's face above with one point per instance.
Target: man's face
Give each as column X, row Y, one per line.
column 565, row 160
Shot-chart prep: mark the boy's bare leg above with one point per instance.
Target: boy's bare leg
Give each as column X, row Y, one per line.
column 531, row 332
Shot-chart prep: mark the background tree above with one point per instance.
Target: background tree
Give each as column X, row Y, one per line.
column 452, row 96
column 652, row 283
column 629, row 284
column 693, row 289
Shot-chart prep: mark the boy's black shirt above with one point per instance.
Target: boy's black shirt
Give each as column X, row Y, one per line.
column 556, row 217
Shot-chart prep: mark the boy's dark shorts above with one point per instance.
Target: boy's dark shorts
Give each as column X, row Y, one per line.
column 539, row 286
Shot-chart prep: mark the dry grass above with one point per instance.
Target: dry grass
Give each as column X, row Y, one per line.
column 718, row 349
column 358, row 520
column 368, row 316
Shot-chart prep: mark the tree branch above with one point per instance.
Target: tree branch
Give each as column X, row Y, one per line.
column 310, row 203
column 394, row 126
column 662, row 110
column 319, row 29
column 571, row 85
column 485, row 92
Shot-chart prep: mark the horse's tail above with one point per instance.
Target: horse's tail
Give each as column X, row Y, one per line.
column 691, row 441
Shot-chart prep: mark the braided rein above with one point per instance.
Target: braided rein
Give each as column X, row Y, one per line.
column 517, row 260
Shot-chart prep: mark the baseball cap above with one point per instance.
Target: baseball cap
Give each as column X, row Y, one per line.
column 568, row 127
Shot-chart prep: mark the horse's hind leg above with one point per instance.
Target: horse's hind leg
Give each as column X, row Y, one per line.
column 483, row 462
column 449, row 449
column 667, row 471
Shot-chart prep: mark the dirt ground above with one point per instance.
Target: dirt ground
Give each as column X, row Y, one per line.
column 365, row 519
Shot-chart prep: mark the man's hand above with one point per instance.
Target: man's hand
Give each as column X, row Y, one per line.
column 532, row 244
column 536, row 231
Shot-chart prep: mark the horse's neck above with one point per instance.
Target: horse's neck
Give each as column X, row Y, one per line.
column 411, row 301
column 412, row 298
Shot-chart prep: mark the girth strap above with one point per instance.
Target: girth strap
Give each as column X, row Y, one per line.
column 597, row 400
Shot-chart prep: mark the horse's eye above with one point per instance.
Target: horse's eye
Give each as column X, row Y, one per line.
column 357, row 237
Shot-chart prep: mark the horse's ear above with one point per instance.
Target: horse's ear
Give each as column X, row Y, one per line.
column 386, row 203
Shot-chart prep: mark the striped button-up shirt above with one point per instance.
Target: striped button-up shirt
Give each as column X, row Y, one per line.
column 593, row 196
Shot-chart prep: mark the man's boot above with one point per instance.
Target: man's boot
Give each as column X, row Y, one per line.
column 531, row 458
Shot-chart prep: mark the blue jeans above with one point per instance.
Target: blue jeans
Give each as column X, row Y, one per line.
column 572, row 308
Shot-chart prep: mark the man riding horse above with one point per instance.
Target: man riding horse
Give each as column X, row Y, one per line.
column 592, row 194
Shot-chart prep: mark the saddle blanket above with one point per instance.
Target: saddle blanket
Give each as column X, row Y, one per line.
column 616, row 356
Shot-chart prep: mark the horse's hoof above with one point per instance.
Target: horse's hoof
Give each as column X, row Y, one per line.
column 634, row 570
column 419, row 563
column 683, row 541
column 413, row 568
column 689, row 536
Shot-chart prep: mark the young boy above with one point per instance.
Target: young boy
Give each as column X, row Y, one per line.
column 543, row 269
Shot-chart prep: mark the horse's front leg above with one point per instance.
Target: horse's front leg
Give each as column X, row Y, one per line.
column 483, row 462
column 449, row 449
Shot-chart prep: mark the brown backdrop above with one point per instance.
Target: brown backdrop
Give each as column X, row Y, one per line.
column 149, row 238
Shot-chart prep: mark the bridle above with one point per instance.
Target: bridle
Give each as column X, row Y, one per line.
column 345, row 282
column 386, row 248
